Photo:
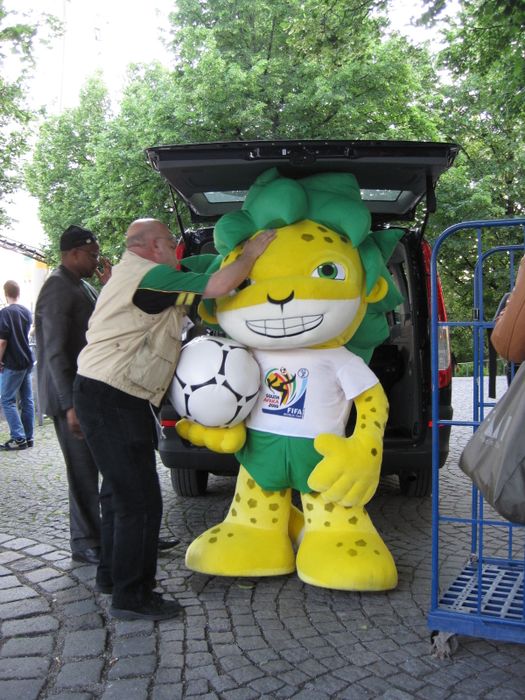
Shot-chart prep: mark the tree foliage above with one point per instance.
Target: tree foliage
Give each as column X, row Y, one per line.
column 309, row 69
column 241, row 70
column 16, row 40
column 131, row 189
column 486, row 35
column 484, row 63
column 60, row 174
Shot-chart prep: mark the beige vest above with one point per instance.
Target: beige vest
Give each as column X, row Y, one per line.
column 127, row 348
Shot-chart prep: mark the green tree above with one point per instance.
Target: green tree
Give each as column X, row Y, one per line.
column 16, row 48
column 484, row 63
column 121, row 181
column 242, row 70
column 486, row 34
column 298, row 70
column 89, row 166
column 65, row 155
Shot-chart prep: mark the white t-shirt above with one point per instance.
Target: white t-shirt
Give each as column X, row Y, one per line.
column 306, row 392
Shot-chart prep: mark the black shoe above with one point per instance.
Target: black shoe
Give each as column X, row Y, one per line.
column 167, row 544
column 91, row 555
column 154, row 608
column 14, row 444
column 30, row 443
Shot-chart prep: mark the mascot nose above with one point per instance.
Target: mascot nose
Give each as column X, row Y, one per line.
column 281, row 302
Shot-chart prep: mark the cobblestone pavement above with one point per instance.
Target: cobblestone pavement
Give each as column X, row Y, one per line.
column 238, row 639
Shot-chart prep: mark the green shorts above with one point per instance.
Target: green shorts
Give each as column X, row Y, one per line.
column 278, row 462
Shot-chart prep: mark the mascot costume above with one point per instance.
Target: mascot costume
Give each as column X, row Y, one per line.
column 311, row 313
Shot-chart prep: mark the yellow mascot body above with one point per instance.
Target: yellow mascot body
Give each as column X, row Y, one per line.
column 321, row 285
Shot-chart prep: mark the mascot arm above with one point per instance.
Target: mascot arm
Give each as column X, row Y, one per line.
column 225, row 440
column 349, row 472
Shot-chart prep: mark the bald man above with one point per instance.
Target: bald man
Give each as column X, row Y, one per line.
column 133, row 343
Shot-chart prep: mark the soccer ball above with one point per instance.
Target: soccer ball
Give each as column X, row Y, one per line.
column 216, row 382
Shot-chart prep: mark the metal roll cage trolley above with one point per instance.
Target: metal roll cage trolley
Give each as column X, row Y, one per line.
column 485, row 599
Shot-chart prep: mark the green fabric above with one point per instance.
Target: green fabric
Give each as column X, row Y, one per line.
column 207, row 262
column 331, row 199
column 277, row 462
column 374, row 328
column 164, row 278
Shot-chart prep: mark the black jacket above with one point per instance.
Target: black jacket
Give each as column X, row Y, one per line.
column 62, row 312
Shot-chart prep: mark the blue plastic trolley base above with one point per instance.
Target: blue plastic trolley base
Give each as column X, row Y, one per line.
column 485, row 598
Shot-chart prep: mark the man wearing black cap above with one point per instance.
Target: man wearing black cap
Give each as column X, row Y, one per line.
column 63, row 308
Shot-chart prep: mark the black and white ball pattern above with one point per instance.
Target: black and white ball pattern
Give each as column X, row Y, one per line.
column 216, row 382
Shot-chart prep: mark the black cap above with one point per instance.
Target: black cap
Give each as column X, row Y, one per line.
column 75, row 237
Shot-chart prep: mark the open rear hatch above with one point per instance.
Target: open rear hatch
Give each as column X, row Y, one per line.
column 394, row 176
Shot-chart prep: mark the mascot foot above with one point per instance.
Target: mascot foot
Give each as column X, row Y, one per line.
column 230, row 549
column 254, row 538
column 341, row 549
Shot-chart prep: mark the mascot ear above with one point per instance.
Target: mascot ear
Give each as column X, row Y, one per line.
column 378, row 291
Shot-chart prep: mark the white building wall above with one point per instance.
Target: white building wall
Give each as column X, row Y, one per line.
column 30, row 275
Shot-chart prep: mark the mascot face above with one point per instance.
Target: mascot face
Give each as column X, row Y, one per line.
column 306, row 290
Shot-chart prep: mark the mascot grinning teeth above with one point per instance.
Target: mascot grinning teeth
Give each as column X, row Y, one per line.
column 311, row 313
column 285, row 327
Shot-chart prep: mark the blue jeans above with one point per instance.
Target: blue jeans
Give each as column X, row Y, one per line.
column 17, row 383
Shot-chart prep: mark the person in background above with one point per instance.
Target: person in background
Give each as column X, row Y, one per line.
column 16, row 360
column 132, row 351
column 63, row 308
column 508, row 335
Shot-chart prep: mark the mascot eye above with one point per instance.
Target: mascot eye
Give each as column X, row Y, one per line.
column 329, row 271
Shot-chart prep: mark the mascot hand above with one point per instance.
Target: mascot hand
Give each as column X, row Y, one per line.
column 226, row 440
column 349, row 473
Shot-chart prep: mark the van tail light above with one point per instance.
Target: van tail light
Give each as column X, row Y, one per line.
column 165, row 423
column 179, row 252
column 444, row 356
column 444, row 361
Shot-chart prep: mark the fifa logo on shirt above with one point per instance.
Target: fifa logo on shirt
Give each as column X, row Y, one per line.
column 285, row 392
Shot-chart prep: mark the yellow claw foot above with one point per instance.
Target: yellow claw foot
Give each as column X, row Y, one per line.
column 341, row 549
column 253, row 540
column 230, row 549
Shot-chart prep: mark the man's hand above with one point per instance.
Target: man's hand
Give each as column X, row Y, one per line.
column 104, row 274
column 255, row 247
column 73, row 424
column 230, row 276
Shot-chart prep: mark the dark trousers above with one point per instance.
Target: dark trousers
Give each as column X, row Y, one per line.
column 82, row 478
column 119, row 431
